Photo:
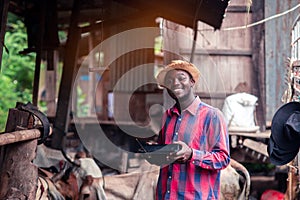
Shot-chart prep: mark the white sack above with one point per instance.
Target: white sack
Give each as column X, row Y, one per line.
column 238, row 110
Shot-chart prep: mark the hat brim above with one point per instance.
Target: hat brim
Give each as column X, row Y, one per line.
column 280, row 118
column 280, row 148
column 280, row 156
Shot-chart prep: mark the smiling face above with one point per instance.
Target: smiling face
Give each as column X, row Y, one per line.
column 179, row 84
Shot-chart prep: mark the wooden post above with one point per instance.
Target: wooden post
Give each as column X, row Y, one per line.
column 51, row 78
column 69, row 71
column 3, row 18
column 18, row 176
column 258, row 49
column 39, row 50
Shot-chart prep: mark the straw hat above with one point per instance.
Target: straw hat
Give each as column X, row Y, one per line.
column 178, row 64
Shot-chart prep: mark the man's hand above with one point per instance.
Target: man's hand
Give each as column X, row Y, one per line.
column 184, row 154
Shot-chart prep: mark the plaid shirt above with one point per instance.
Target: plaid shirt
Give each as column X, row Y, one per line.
column 202, row 128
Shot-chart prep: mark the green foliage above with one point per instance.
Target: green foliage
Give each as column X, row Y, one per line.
column 17, row 72
column 259, row 167
column 82, row 107
column 7, row 100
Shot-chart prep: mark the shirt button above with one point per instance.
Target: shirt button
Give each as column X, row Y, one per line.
column 170, row 177
column 168, row 191
column 176, row 133
column 179, row 119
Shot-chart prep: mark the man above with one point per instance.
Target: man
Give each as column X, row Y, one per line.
column 201, row 132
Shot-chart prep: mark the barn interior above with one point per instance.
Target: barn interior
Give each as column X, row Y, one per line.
column 86, row 54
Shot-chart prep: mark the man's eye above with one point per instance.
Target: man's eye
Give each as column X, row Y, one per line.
column 181, row 78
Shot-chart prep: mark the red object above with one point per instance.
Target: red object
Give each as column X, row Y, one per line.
column 272, row 195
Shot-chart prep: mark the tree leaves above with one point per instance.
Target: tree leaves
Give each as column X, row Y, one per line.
column 16, row 78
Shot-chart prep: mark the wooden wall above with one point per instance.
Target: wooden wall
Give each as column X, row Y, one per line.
column 256, row 55
column 278, row 50
column 223, row 56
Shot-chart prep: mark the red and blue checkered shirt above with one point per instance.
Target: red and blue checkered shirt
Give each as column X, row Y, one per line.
column 202, row 128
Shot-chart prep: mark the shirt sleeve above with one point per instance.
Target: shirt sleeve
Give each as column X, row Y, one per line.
column 216, row 153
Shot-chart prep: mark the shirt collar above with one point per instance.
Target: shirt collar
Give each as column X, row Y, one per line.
column 191, row 108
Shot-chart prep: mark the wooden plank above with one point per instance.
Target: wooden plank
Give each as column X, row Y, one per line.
column 237, row 8
column 213, row 95
column 238, row 3
column 50, row 83
column 265, row 134
column 256, row 146
column 218, row 52
column 222, row 74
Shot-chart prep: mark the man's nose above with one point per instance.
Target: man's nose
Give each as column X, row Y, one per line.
column 176, row 81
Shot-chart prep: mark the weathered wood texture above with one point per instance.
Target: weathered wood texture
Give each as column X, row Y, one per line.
column 278, row 50
column 18, row 136
column 258, row 63
column 224, row 57
column 51, row 81
column 18, row 176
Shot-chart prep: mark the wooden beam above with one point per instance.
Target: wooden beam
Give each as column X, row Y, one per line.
column 3, row 19
column 107, row 24
column 210, row 12
column 213, row 95
column 18, row 136
column 238, row 9
column 38, row 58
column 258, row 63
column 217, row 52
column 262, row 135
column 61, row 122
column 50, row 83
